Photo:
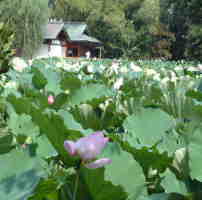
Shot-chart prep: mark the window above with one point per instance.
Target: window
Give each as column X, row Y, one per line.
column 72, row 52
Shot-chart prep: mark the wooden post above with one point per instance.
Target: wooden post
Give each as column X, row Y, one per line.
column 78, row 51
column 100, row 52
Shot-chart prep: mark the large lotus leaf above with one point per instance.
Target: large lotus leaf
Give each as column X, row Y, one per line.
column 38, row 80
column 124, row 171
column 22, row 125
column 148, row 126
column 195, row 155
column 172, row 185
column 70, row 122
column 70, row 82
column 170, row 143
column 88, row 93
column 147, row 157
column 121, row 179
column 99, row 188
column 19, row 175
column 60, row 100
column 159, row 196
column 46, row 189
column 23, row 78
column 86, row 115
column 53, row 80
column 44, row 148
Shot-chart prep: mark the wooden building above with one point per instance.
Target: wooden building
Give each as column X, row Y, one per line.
column 68, row 39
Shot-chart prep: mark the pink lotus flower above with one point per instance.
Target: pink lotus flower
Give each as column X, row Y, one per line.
column 51, row 99
column 88, row 148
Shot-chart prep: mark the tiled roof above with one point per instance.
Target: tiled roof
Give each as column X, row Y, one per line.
column 75, row 31
column 86, row 38
column 52, row 30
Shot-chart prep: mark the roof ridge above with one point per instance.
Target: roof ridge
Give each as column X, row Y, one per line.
column 66, row 22
column 74, row 22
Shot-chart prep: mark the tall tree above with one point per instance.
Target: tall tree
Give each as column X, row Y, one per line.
column 194, row 36
column 6, row 38
column 26, row 18
column 184, row 19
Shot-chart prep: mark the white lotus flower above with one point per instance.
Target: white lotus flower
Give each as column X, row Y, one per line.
column 192, row 69
column 59, row 65
column 200, row 67
column 118, row 83
column 157, row 77
column 80, row 76
column 173, row 79
column 124, row 69
column 150, row 72
column 11, row 84
column 165, row 80
column 135, row 68
column 19, row 64
column 115, row 67
column 102, row 67
column 178, row 68
column 90, row 68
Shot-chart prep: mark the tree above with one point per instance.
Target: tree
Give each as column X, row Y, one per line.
column 194, row 35
column 6, row 38
column 26, row 18
column 184, row 19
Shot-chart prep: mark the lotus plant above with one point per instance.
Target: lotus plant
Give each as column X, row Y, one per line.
column 88, row 148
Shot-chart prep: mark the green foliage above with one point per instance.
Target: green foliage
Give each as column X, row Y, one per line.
column 89, row 93
column 194, row 153
column 177, row 186
column 19, row 175
column 132, row 28
column 22, row 125
column 26, row 20
column 125, row 175
column 5, row 144
column 7, row 39
column 184, row 21
column 147, row 131
column 154, row 146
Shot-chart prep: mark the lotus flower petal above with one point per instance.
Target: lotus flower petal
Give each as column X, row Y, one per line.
column 70, row 146
column 98, row 163
column 90, row 146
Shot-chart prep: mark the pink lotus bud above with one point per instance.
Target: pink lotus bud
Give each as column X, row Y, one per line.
column 87, row 147
column 24, row 146
column 98, row 163
column 51, row 99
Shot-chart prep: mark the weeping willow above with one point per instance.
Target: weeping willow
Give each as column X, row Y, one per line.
column 27, row 19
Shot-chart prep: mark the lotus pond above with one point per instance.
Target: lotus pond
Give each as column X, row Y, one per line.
column 101, row 130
